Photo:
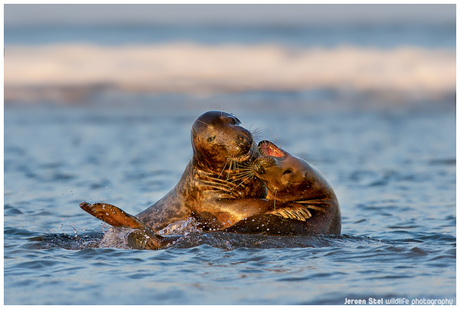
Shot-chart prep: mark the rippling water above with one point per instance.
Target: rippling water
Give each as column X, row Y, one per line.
column 393, row 172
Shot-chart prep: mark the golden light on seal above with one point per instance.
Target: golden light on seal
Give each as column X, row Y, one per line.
column 292, row 179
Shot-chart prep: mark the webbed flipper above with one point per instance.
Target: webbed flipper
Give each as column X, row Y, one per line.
column 112, row 215
column 118, row 218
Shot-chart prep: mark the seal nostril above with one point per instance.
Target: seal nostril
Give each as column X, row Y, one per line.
column 243, row 141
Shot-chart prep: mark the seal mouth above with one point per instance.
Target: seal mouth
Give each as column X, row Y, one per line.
column 243, row 157
column 267, row 148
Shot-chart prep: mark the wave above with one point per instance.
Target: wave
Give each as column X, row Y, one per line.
column 36, row 71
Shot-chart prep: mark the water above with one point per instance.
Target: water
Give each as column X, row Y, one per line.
column 385, row 35
column 390, row 158
column 393, row 171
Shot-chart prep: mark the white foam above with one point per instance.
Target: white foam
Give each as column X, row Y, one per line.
column 192, row 68
column 182, row 227
column 115, row 238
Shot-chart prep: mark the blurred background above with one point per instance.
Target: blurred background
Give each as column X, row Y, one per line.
column 255, row 55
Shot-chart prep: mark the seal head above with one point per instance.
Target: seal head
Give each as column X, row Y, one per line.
column 218, row 137
column 291, row 179
column 287, row 177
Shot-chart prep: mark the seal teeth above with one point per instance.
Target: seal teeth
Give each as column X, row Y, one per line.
column 267, row 148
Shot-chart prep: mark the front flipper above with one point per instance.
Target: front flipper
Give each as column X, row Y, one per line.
column 118, row 218
column 293, row 211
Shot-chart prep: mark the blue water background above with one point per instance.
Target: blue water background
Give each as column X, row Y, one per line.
column 391, row 165
column 394, row 174
column 386, row 35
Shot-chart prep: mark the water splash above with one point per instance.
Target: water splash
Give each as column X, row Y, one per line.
column 183, row 227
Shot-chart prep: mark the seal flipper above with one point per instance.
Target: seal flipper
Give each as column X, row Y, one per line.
column 118, row 218
column 293, row 211
column 112, row 215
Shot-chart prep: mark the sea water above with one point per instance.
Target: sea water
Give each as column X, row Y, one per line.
column 393, row 172
column 391, row 164
column 383, row 35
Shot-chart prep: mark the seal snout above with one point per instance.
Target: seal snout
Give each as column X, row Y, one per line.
column 244, row 145
column 261, row 163
column 243, row 141
column 258, row 168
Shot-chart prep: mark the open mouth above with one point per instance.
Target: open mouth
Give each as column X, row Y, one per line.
column 267, row 148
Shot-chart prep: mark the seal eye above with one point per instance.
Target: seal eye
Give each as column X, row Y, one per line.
column 210, row 139
column 232, row 120
column 288, row 171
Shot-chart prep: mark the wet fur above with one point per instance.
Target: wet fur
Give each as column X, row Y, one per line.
column 309, row 196
column 217, row 186
column 219, row 189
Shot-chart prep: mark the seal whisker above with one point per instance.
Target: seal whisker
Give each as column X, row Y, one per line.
column 223, row 169
column 218, row 187
column 242, row 177
column 218, row 182
column 215, row 178
column 248, row 179
column 244, row 167
column 244, row 174
column 256, row 134
column 231, row 168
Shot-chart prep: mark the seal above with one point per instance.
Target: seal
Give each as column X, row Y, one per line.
column 217, row 187
column 313, row 205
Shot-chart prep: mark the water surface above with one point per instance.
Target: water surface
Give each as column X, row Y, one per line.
column 393, row 171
